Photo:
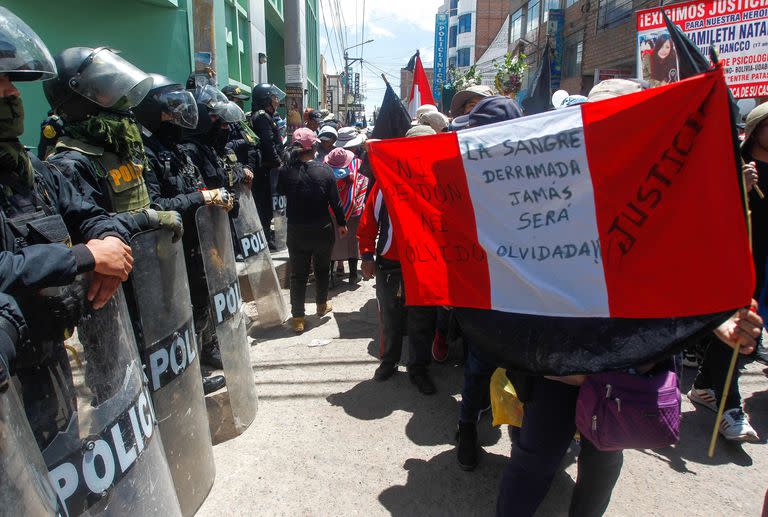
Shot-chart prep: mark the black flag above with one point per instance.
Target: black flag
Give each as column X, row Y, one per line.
column 393, row 121
column 539, row 98
column 412, row 62
column 690, row 61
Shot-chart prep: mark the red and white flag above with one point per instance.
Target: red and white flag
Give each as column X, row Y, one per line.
column 624, row 208
column 421, row 93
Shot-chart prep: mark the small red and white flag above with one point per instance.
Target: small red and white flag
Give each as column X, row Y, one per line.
column 421, row 93
column 624, row 208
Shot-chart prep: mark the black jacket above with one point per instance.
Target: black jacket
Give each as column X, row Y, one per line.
column 270, row 143
column 244, row 146
column 13, row 330
column 216, row 173
column 173, row 181
column 45, row 265
column 310, row 189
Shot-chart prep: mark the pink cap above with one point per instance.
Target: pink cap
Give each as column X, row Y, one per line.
column 339, row 158
column 305, row 136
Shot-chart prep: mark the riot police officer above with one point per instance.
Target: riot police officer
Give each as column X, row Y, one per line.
column 41, row 216
column 265, row 100
column 175, row 183
column 206, row 146
column 242, row 140
column 101, row 150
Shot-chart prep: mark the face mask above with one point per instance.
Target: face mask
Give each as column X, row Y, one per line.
column 170, row 133
column 11, row 117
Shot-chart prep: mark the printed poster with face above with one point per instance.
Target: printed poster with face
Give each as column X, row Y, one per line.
column 737, row 29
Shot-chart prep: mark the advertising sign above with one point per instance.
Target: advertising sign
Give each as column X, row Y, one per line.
column 736, row 28
column 555, row 31
column 441, row 55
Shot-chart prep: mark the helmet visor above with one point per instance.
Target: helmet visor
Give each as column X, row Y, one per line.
column 210, row 96
column 181, row 106
column 277, row 92
column 107, row 79
column 228, row 112
column 23, row 56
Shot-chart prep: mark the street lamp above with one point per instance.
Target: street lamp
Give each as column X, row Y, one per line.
column 347, row 61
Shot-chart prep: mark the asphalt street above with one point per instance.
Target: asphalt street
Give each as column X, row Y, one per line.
column 328, row 440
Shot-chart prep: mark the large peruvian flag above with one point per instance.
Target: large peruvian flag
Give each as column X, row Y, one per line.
column 421, row 92
column 616, row 227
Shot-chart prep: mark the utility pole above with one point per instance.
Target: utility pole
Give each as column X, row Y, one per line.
column 347, row 61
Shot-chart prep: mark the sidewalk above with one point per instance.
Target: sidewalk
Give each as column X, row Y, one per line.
column 328, row 440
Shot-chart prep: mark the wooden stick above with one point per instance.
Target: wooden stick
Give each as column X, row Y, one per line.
column 759, row 192
column 726, row 389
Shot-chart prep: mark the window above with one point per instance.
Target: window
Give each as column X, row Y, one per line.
column 238, row 41
column 613, row 12
column 549, row 4
column 452, row 36
column 462, row 57
column 516, row 26
column 452, row 62
column 569, row 3
column 574, row 47
column 533, row 17
column 465, row 23
column 454, row 8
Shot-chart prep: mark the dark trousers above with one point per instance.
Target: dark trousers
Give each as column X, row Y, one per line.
column 307, row 244
column 713, row 371
column 262, row 196
column 476, row 392
column 538, row 449
column 394, row 315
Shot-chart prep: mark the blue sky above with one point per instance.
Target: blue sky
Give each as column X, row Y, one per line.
column 398, row 28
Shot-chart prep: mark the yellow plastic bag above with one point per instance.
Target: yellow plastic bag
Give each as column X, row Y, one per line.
column 506, row 407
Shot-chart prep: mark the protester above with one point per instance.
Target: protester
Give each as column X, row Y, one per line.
column 350, row 138
column 327, row 136
column 377, row 239
column 312, row 119
column 352, row 186
column 310, row 189
column 477, row 368
column 464, row 100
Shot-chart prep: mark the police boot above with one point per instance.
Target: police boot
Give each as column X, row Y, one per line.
column 211, row 355
column 213, row 383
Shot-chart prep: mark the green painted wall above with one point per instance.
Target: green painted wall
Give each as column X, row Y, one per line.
column 156, row 37
column 275, row 55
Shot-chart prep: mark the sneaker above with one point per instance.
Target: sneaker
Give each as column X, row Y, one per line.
column 297, row 324
column 439, row 348
column 704, row 397
column 691, row 359
column 384, row 371
column 467, row 448
column 735, row 426
column 423, row 383
column 324, row 308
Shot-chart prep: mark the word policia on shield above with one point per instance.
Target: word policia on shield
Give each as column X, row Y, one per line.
column 618, row 209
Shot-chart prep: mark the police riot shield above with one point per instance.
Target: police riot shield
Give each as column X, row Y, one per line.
column 257, row 266
column 109, row 458
column 166, row 337
column 279, row 215
column 218, row 256
column 24, row 485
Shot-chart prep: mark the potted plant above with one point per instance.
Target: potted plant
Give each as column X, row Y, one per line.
column 509, row 74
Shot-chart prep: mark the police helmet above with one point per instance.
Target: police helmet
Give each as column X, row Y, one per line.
column 23, row 55
column 170, row 98
column 261, row 95
column 91, row 79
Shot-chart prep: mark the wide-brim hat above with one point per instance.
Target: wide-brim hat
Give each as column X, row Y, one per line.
column 327, row 133
column 420, row 130
column 338, row 160
column 461, row 98
column 611, row 88
column 349, row 137
column 754, row 118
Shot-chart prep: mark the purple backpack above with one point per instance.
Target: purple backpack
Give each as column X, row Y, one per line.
column 618, row 410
